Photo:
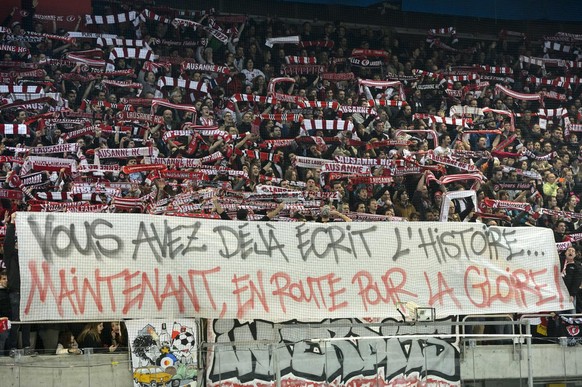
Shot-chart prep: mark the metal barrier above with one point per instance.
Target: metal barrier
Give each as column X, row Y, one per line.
column 332, row 353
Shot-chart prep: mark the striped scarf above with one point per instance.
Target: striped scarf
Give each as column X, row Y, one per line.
column 431, row 34
column 158, row 102
column 5, row 89
column 104, row 42
column 327, row 125
column 200, row 86
column 556, row 82
column 318, row 104
column 91, row 57
column 250, row 98
column 451, row 162
column 291, row 59
column 130, row 16
column 147, row 14
column 444, row 120
column 366, row 83
column 280, row 117
column 560, row 47
column 497, row 69
column 13, row 129
column 132, row 53
column 273, row 82
column 263, row 156
column 560, row 214
column 386, row 102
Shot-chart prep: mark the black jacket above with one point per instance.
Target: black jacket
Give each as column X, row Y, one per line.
column 572, row 276
column 11, row 258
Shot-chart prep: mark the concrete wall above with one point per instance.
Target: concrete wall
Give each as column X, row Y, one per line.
column 492, row 362
column 67, row 371
column 549, row 361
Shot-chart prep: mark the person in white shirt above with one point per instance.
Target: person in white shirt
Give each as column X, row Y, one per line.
column 443, row 149
column 251, row 72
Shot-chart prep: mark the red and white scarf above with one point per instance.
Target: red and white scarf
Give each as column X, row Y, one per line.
column 125, row 153
column 327, row 125
column 140, row 117
column 309, row 162
column 200, row 86
column 444, row 120
column 517, row 95
column 497, row 69
column 43, row 150
column 132, row 53
column 41, row 163
column 280, row 117
column 386, row 102
column 338, row 77
column 302, row 69
column 432, row 33
column 159, row 102
column 506, row 204
column 451, row 162
column 14, row 49
column 291, row 59
column 4, row 89
column 219, row 35
column 111, row 19
column 13, row 129
column 122, row 84
column 357, row 109
column 345, row 168
column 318, row 104
column 104, row 42
column 383, row 85
column 250, row 98
column 281, row 98
column 273, row 82
column 206, row 67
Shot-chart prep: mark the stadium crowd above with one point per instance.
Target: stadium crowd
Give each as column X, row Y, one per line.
column 190, row 113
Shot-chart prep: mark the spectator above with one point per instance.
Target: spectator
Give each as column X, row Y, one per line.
column 67, row 344
column 90, row 337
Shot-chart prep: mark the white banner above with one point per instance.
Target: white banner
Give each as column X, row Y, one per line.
column 112, row 266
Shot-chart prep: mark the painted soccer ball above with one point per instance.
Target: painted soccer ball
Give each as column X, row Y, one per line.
column 183, row 344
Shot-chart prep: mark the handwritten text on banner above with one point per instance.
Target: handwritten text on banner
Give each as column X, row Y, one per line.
column 107, row 266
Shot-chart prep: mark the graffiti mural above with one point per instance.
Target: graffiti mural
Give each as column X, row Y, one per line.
column 163, row 353
column 258, row 353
